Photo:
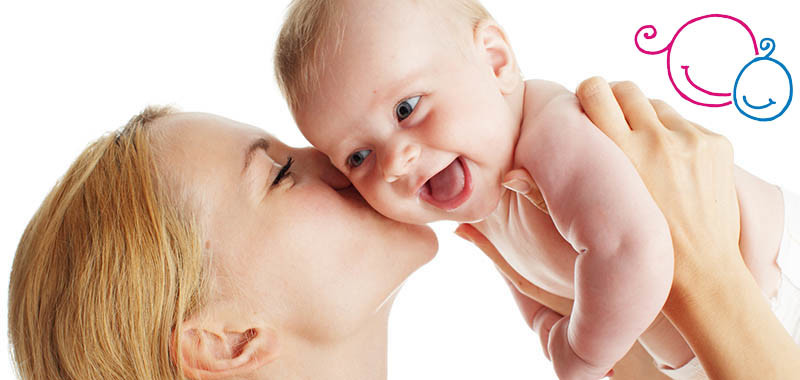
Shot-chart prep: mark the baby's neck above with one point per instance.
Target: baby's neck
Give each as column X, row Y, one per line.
column 516, row 105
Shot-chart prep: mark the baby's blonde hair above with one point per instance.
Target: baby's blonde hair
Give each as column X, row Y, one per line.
column 107, row 269
column 312, row 27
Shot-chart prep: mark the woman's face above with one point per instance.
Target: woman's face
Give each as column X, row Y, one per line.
column 307, row 253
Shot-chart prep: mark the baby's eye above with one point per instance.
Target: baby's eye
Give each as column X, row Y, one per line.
column 405, row 108
column 356, row 159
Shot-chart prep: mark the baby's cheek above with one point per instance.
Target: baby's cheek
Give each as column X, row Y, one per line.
column 369, row 191
column 383, row 200
column 486, row 198
column 378, row 199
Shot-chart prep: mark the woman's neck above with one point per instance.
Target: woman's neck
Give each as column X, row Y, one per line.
column 361, row 355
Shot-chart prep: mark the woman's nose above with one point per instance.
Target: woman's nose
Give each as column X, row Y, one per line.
column 399, row 160
column 319, row 165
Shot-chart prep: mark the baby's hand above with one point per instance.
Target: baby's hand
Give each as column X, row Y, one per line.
column 567, row 364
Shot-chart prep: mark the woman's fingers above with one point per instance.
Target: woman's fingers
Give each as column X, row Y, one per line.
column 542, row 322
column 527, row 306
column 558, row 304
column 670, row 118
column 636, row 107
column 601, row 107
column 706, row 131
column 468, row 232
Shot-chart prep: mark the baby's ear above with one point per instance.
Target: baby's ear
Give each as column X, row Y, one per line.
column 492, row 44
column 211, row 352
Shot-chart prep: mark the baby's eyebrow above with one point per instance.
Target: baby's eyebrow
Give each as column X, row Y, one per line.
column 400, row 85
column 250, row 151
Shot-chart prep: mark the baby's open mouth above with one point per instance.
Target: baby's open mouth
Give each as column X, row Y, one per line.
column 449, row 188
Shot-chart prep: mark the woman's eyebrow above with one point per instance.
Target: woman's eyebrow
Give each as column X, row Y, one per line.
column 260, row 143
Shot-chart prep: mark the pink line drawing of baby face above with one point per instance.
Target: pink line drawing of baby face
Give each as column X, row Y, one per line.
column 684, row 65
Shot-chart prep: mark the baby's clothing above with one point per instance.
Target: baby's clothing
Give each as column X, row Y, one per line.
column 786, row 304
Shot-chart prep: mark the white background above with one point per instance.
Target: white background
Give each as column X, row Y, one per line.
column 70, row 71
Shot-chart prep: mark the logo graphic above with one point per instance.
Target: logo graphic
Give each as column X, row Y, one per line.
column 762, row 90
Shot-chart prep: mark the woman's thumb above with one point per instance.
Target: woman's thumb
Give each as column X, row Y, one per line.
column 520, row 182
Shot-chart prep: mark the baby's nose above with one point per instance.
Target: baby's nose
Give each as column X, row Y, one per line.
column 398, row 162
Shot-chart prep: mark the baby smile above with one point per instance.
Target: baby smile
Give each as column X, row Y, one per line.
column 449, row 188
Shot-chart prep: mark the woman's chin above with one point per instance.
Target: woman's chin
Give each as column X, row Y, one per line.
column 413, row 244
column 387, row 302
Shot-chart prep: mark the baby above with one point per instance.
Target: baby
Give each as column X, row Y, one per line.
column 425, row 112
column 421, row 104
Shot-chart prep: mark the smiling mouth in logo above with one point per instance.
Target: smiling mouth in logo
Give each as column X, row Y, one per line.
column 703, row 90
column 771, row 102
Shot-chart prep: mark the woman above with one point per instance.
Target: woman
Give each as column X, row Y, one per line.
column 180, row 247
column 176, row 235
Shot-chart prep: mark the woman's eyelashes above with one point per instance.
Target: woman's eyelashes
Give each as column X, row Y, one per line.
column 283, row 172
column 356, row 159
column 405, row 108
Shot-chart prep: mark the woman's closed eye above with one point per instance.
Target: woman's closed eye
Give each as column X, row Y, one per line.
column 405, row 108
column 356, row 159
column 283, row 172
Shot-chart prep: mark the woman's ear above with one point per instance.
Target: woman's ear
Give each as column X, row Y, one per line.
column 491, row 41
column 218, row 353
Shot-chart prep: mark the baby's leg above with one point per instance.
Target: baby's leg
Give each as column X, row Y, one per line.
column 761, row 231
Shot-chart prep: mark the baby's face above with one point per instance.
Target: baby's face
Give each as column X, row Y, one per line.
column 414, row 119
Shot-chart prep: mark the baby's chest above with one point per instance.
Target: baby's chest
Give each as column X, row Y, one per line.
column 530, row 243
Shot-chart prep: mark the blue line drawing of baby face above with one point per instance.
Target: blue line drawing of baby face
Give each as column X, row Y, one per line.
column 763, row 89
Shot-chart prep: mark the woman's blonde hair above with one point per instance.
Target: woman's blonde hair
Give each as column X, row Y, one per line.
column 107, row 268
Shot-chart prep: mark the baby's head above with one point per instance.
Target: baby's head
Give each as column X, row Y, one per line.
column 418, row 103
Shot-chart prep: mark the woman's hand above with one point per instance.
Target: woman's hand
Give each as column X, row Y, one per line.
column 687, row 169
column 522, row 288
column 541, row 310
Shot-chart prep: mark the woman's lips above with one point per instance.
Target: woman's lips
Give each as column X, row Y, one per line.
column 449, row 188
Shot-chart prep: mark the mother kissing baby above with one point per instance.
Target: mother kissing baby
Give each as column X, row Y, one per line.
column 180, row 247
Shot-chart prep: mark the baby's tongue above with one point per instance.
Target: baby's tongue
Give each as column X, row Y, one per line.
column 448, row 183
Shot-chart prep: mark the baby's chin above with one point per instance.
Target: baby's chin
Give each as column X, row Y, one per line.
column 480, row 206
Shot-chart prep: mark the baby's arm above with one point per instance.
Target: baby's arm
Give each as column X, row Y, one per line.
column 599, row 203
